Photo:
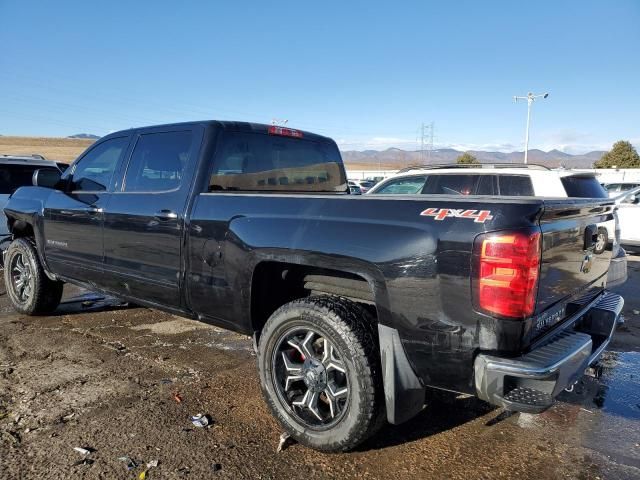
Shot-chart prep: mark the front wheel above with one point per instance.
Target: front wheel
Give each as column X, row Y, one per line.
column 28, row 287
column 320, row 372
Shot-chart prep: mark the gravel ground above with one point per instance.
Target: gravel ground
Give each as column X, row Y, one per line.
column 122, row 382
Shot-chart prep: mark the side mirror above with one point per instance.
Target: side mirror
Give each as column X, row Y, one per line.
column 46, row 177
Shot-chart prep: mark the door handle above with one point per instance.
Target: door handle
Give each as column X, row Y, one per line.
column 94, row 210
column 166, row 215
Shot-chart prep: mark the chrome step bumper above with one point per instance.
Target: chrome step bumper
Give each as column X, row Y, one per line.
column 530, row 382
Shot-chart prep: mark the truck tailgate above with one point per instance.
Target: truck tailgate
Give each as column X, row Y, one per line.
column 571, row 265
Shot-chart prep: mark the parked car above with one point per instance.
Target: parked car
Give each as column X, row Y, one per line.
column 615, row 189
column 17, row 171
column 491, row 179
column 629, row 218
column 497, row 180
column 365, row 185
column 357, row 304
column 354, row 189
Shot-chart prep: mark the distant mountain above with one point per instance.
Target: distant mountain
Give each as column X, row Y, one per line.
column 396, row 158
column 89, row 136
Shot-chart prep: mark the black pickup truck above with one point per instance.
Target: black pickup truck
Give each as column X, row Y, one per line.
column 357, row 304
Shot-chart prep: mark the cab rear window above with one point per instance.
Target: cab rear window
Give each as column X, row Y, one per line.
column 248, row 161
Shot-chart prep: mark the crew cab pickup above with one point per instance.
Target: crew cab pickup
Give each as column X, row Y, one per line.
column 357, row 303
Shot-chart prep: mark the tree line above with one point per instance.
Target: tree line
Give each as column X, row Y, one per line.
column 621, row 155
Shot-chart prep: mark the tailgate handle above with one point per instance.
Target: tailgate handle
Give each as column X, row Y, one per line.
column 590, row 236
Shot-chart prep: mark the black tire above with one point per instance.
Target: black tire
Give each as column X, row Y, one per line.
column 353, row 335
column 44, row 294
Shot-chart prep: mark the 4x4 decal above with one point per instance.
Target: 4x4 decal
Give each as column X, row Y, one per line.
column 478, row 216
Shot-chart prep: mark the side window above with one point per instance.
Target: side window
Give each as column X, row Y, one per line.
column 158, row 162
column 451, row 184
column 516, row 186
column 628, row 186
column 94, row 171
column 486, row 185
column 403, row 186
column 583, row 186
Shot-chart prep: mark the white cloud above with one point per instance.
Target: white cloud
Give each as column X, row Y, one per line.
column 378, row 143
column 487, row 147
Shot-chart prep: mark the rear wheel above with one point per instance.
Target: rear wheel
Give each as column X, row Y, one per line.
column 320, row 374
column 28, row 287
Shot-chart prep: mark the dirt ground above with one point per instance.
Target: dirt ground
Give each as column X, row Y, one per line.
column 60, row 149
column 123, row 382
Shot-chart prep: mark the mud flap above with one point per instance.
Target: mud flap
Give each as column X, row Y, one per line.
column 404, row 393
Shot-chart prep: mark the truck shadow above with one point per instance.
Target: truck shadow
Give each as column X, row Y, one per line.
column 444, row 411
column 90, row 303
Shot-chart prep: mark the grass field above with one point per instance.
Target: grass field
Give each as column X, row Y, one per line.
column 68, row 149
column 60, row 149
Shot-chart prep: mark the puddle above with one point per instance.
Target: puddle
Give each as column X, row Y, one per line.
column 620, row 385
column 617, row 392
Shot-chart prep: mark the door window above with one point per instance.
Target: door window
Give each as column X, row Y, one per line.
column 158, row 162
column 93, row 172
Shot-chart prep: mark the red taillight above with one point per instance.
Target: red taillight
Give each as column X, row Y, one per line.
column 507, row 272
column 285, row 132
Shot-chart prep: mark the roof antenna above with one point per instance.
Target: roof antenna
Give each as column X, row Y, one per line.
column 279, row 122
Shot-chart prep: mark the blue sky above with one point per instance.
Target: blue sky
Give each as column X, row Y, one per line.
column 365, row 73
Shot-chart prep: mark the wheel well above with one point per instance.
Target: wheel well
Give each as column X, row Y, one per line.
column 276, row 283
column 21, row 229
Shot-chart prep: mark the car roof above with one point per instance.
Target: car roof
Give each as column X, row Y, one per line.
column 492, row 171
column 35, row 160
column 225, row 125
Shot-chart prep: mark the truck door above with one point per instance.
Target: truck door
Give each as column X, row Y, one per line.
column 73, row 218
column 144, row 221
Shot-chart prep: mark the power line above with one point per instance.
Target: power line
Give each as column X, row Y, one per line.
column 426, row 140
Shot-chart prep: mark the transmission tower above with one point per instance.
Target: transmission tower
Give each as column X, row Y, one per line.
column 426, row 140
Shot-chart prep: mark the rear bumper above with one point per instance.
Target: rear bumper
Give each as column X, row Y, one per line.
column 529, row 383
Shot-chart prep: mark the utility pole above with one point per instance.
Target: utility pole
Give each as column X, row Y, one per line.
column 530, row 98
column 426, row 139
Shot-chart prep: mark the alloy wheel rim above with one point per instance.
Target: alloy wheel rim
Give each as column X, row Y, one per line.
column 310, row 377
column 22, row 277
